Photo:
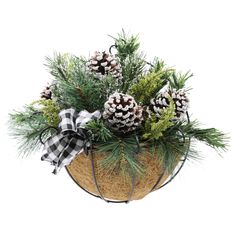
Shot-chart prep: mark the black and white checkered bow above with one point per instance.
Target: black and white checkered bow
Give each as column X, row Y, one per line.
column 71, row 139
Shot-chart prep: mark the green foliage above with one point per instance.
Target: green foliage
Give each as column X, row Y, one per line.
column 175, row 142
column 25, row 126
column 169, row 152
column 132, row 69
column 64, row 66
column 159, row 67
column 122, row 155
column 73, row 87
column 211, row 136
column 172, row 146
column 100, row 132
column 154, row 129
column 178, row 80
column 132, row 61
column 146, row 87
column 126, row 45
column 50, row 111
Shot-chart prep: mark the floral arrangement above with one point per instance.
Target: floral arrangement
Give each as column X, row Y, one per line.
column 115, row 103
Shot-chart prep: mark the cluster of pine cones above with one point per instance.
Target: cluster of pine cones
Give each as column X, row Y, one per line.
column 124, row 115
column 121, row 111
column 161, row 101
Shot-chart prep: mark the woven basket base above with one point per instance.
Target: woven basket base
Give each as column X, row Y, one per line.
column 115, row 186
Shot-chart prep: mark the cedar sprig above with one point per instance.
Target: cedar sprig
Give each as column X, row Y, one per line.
column 147, row 87
column 153, row 128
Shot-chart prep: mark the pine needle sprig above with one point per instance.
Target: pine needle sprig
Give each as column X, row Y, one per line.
column 172, row 147
column 132, row 61
column 211, row 136
column 122, row 153
column 126, row 45
column 133, row 67
column 178, row 80
column 64, row 66
column 79, row 90
column 26, row 127
column 99, row 130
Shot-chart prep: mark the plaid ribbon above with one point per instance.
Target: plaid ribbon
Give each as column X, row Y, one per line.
column 71, row 139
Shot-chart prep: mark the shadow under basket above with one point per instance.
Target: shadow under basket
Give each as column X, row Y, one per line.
column 114, row 187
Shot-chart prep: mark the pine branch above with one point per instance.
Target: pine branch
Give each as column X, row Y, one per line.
column 172, row 147
column 132, row 68
column 26, row 127
column 79, row 90
column 121, row 154
column 126, row 45
column 132, row 61
column 211, row 136
column 178, row 80
column 158, row 66
column 64, row 66
column 100, row 132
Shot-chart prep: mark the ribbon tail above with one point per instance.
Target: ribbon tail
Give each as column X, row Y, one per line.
column 53, row 148
column 74, row 147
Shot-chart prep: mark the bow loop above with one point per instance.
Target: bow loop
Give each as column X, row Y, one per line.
column 67, row 121
column 72, row 139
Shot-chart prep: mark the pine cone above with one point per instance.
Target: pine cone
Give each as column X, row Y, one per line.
column 122, row 112
column 46, row 93
column 103, row 63
column 161, row 101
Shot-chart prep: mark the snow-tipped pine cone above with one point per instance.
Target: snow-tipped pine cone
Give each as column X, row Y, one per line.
column 103, row 63
column 46, row 93
column 161, row 101
column 122, row 112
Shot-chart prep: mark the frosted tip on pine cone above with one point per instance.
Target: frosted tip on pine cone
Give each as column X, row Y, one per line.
column 103, row 63
column 161, row 101
column 46, row 93
column 122, row 112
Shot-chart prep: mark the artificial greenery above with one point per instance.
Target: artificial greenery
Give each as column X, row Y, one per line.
column 126, row 45
column 99, row 130
column 147, row 87
column 158, row 66
column 131, row 59
column 26, row 126
column 122, row 154
column 74, row 87
column 154, row 129
column 211, row 136
column 178, row 80
column 49, row 110
column 64, row 66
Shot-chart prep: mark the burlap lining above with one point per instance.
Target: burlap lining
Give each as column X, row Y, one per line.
column 114, row 185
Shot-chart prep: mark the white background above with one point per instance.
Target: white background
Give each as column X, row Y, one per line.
column 196, row 35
